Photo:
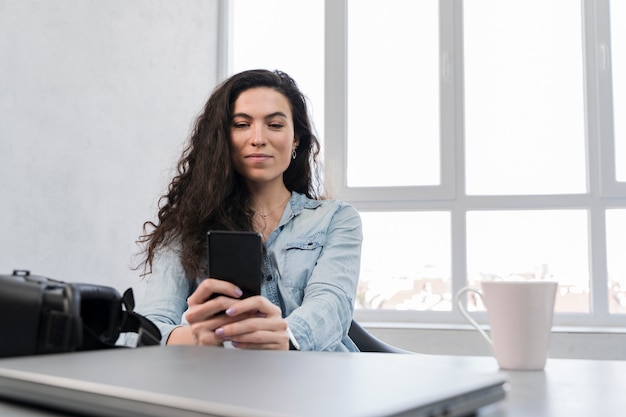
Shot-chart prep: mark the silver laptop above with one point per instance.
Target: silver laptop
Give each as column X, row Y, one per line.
column 210, row 381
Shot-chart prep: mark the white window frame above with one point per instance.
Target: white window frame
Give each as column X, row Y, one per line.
column 604, row 192
column 335, row 129
column 600, row 91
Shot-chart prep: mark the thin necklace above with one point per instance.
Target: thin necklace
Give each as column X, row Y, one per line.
column 264, row 215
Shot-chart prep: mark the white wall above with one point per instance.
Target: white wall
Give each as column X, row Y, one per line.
column 96, row 100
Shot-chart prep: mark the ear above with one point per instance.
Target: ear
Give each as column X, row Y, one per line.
column 296, row 142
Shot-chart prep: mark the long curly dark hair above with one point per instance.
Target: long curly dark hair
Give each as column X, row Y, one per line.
column 207, row 193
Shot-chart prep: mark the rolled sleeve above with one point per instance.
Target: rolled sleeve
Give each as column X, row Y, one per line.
column 322, row 319
column 167, row 290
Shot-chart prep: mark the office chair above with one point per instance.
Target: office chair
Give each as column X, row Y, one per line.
column 367, row 342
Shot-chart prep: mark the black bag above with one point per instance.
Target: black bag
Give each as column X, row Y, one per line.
column 41, row 315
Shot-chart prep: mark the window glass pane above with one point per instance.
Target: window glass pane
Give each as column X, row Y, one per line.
column 524, row 112
column 393, row 93
column 616, row 248
column 273, row 34
column 533, row 245
column 618, row 60
column 405, row 263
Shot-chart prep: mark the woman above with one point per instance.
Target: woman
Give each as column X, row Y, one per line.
column 251, row 165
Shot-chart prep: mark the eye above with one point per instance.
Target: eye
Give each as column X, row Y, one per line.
column 240, row 125
column 276, row 125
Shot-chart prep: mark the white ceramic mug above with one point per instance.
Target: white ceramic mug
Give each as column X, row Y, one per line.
column 520, row 318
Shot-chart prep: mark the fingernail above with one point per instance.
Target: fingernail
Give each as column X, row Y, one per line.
column 219, row 331
column 230, row 311
column 238, row 292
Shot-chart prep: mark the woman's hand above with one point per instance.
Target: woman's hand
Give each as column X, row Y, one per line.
column 258, row 325
column 252, row 323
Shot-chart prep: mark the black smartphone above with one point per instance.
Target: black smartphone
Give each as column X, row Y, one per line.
column 236, row 257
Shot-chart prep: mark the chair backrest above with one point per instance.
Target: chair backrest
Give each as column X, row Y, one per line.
column 367, row 342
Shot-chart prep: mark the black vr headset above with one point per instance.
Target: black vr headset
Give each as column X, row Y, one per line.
column 40, row 315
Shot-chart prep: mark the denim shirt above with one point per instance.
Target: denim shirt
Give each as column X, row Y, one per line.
column 310, row 270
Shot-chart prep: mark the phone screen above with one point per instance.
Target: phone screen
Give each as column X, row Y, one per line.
column 236, row 257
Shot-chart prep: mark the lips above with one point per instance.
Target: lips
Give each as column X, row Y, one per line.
column 258, row 157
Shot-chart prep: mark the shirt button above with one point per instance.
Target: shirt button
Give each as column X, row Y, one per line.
column 269, row 278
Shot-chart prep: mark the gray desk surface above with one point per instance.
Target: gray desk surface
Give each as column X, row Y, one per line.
column 566, row 388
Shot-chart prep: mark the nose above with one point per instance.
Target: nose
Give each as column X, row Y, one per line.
column 258, row 137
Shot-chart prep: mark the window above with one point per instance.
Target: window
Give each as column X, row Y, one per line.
column 479, row 140
column 418, row 278
column 272, row 34
column 618, row 67
column 616, row 238
column 532, row 245
column 401, row 135
column 523, row 97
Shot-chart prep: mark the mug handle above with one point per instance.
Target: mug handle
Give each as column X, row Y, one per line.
column 465, row 314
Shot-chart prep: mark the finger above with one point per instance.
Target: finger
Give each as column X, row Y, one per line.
column 211, row 286
column 202, row 335
column 252, row 325
column 204, row 332
column 205, row 311
column 263, row 339
column 258, row 305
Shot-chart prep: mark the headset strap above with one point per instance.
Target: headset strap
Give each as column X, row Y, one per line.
column 148, row 333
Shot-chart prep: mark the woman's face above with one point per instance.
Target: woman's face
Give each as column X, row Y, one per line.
column 262, row 135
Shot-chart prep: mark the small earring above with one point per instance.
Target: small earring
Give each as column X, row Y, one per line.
column 293, row 153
